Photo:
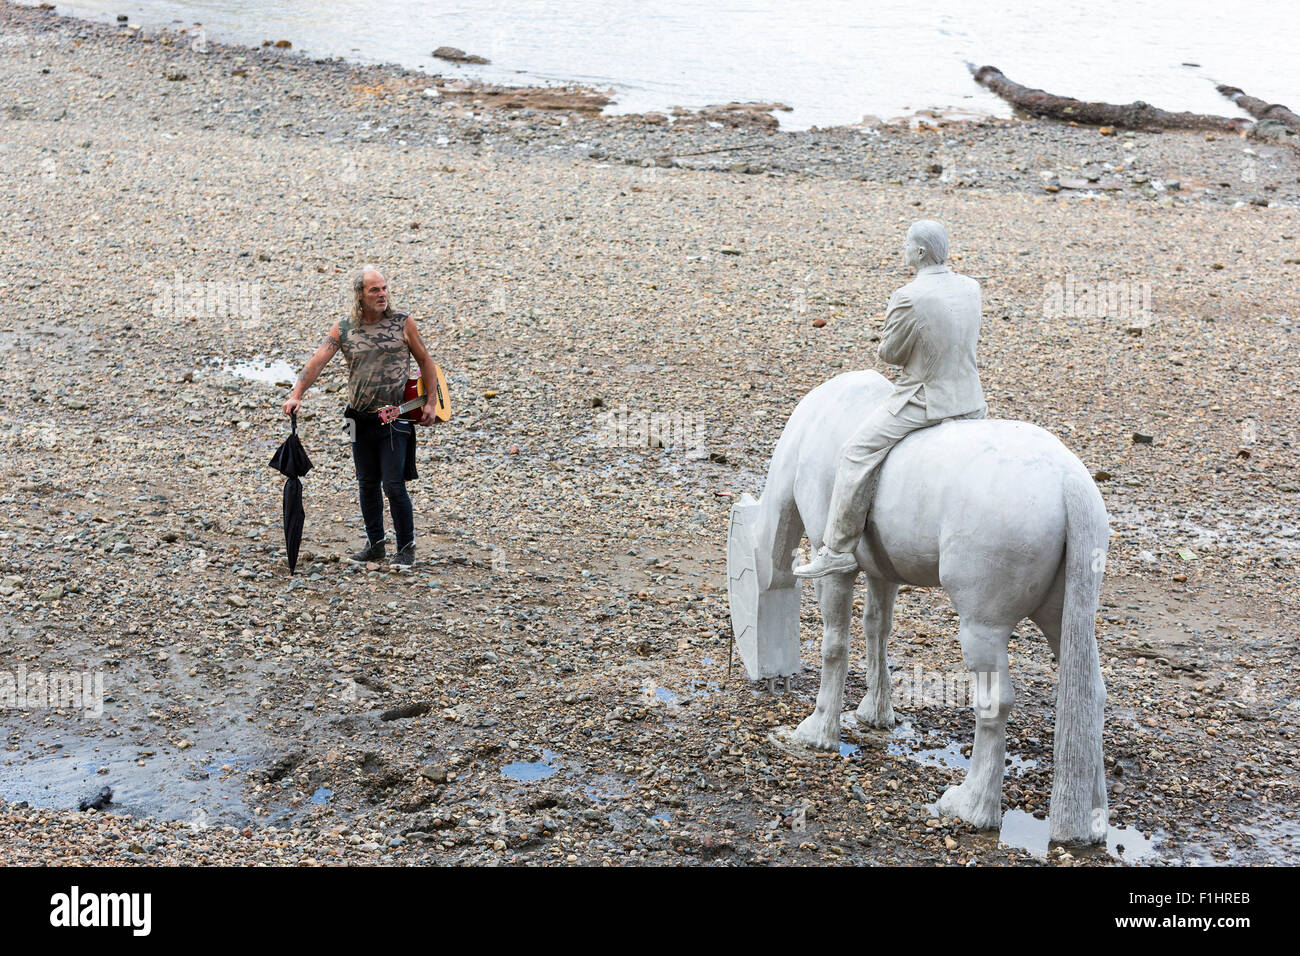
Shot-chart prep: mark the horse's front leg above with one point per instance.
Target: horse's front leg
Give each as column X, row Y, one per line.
column 978, row 800
column 821, row 728
column 876, row 709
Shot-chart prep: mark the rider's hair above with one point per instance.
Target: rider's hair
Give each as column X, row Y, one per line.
column 932, row 237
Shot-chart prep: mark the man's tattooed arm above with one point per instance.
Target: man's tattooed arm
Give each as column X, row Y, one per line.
column 316, row 364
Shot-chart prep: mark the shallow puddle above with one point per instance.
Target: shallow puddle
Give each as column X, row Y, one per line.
column 145, row 781
column 1024, row 831
column 1277, row 839
column 702, row 688
column 1020, row 830
column 952, row 758
column 268, row 371
column 653, row 694
column 225, row 765
column 151, row 772
column 1272, row 841
column 903, row 741
column 527, row 771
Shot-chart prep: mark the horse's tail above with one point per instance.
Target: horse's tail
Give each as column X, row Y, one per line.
column 1078, row 809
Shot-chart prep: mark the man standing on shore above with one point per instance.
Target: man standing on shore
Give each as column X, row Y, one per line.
column 932, row 326
column 377, row 342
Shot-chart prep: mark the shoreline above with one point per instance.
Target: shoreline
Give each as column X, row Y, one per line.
column 580, row 95
column 572, row 598
column 1174, row 168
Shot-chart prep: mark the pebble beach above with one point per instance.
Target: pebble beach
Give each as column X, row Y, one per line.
column 554, row 683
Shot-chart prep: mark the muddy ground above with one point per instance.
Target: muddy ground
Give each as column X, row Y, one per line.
column 551, row 685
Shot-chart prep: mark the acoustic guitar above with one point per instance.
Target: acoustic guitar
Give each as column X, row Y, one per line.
column 416, row 396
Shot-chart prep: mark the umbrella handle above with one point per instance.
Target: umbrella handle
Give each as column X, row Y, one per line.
column 293, row 419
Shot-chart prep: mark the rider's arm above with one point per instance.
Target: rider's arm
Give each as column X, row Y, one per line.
column 901, row 331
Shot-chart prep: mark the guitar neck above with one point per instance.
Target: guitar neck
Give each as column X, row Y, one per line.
column 412, row 404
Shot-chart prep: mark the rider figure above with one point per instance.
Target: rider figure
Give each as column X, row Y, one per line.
column 932, row 326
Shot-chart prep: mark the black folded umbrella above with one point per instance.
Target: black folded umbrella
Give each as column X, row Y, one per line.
column 291, row 460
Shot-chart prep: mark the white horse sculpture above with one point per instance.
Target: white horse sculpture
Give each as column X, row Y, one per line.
column 999, row 514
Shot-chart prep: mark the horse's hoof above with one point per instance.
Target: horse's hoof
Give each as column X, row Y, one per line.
column 784, row 739
column 812, row 734
column 1083, row 832
column 959, row 802
column 870, row 718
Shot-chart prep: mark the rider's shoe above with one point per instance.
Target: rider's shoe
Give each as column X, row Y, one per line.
column 373, row 551
column 826, row 562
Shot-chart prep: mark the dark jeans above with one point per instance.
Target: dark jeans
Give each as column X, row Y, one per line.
column 379, row 454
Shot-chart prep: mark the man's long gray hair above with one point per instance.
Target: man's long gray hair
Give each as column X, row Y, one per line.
column 359, row 292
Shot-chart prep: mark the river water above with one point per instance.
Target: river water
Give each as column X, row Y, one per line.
column 833, row 61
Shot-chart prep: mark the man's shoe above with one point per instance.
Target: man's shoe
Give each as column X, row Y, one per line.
column 826, row 562
column 405, row 557
column 373, row 551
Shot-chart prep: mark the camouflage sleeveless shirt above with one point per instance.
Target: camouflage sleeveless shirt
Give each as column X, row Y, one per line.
column 378, row 360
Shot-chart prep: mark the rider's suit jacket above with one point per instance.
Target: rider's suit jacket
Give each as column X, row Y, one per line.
column 931, row 329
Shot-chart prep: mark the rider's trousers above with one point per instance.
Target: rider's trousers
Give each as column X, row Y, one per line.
column 861, row 454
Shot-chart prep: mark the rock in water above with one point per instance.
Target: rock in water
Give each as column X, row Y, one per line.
column 98, row 802
column 458, row 56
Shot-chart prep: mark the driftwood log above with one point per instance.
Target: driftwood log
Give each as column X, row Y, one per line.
column 1261, row 110
column 1136, row 115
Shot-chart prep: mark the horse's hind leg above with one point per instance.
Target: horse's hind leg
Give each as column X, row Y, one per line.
column 978, row 800
column 876, row 709
column 821, row 728
column 1048, row 615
